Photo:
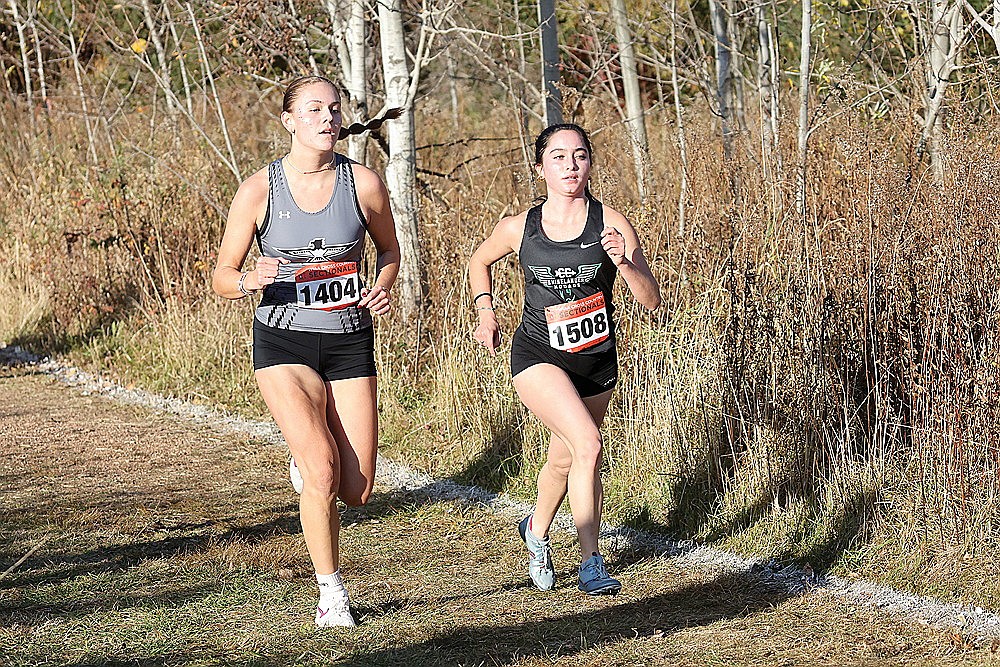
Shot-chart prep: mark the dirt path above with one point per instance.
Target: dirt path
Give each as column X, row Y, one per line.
column 154, row 540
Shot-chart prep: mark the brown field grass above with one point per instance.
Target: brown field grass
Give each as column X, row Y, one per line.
column 155, row 540
column 822, row 390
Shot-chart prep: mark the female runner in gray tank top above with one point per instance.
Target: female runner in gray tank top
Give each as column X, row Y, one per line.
column 563, row 357
column 313, row 343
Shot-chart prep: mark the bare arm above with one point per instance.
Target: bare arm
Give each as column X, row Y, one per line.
column 505, row 238
column 245, row 214
column 622, row 245
column 374, row 200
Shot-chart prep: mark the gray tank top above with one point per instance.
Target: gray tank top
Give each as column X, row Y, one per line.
column 319, row 288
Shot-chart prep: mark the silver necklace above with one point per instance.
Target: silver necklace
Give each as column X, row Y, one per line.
column 327, row 167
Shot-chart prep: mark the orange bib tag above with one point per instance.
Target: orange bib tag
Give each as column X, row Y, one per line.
column 328, row 286
column 577, row 325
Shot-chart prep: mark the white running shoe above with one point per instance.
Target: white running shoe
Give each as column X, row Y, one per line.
column 294, row 475
column 335, row 612
column 540, row 568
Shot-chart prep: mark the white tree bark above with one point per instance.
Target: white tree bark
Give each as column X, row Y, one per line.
column 400, row 172
column 945, row 36
column 352, row 54
column 723, row 74
column 803, row 135
column 23, row 43
column 161, row 54
column 549, row 32
column 767, row 81
column 681, row 139
column 635, row 114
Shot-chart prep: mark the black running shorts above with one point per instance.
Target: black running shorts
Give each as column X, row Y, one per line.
column 591, row 374
column 335, row 356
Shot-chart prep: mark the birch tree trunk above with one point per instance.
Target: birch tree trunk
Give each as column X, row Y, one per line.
column 549, row 31
column 161, row 56
column 352, row 54
column 945, row 35
column 723, row 74
column 23, row 43
column 767, row 82
column 400, row 172
column 803, row 137
column 681, row 139
column 635, row 114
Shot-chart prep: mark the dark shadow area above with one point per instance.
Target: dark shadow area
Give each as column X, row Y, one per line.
column 726, row 597
column 500, row 462
column 848, row 525
column 62, row 565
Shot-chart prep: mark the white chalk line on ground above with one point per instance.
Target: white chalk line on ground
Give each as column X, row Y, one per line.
column 976, row 625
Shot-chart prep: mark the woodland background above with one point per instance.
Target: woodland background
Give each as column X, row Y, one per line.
column 816, row 185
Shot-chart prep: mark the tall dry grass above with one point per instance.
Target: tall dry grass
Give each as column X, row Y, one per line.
column 822, row 389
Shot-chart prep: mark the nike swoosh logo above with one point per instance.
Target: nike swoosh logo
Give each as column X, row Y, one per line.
column 323, row 612
column 587, row 245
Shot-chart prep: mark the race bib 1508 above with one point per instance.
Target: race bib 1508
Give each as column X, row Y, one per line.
column 577, row 325
column 328, row 286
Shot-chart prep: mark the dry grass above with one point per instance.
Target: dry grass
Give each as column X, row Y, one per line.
column 813, row 389
column 163, row 542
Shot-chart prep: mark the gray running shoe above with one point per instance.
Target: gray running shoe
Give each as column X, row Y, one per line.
column 594, row 578
column 540, row 569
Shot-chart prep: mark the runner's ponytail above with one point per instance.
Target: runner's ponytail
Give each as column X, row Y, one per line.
column 373, row 124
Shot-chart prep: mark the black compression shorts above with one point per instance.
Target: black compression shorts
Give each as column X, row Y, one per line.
column 335, row 356
column 591, row 374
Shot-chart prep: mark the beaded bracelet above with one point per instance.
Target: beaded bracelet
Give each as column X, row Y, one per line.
column 246, row 292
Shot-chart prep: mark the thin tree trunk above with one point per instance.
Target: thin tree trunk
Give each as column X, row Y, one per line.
column 767, row 83
column 681, row 140
column 352, row 54
column 23, row 43
column 803, row 137
column 723, row 75
column 233, row 165
column 185, row 80
column 945, row 36
column 161, row 54
column 400, row 172
column 636, row 116
column 549, row 31
column 39, row 58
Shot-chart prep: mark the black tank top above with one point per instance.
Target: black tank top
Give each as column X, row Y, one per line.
column 567, row 285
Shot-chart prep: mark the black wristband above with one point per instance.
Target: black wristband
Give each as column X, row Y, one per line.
column 476, row 298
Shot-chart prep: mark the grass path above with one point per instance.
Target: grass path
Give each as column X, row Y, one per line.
column 153, row 540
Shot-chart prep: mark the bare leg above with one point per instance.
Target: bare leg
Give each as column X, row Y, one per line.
column 297, row 398
column 352, row 415
column 573, row 466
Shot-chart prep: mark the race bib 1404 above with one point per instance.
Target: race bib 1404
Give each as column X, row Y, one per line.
column 328, row 286
column 577, row 325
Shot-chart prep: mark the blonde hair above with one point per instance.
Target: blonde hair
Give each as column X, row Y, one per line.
column 296, row 85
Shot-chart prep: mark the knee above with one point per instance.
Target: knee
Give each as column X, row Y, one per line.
column 323, row 481
column 587, row 453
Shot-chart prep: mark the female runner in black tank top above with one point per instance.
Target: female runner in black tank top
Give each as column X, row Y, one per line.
column 563, row 355
column 327, row 414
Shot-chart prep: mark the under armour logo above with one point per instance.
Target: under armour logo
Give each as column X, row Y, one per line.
column 284, row 214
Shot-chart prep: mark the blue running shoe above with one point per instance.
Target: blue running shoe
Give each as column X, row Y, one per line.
column 540, row 569
column 594, row 578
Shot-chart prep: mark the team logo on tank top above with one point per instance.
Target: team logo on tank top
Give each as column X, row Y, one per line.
column 317, row 251
column 564, row 278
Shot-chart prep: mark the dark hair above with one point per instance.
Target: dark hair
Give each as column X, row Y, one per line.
column 542, row 142
column 297, row 84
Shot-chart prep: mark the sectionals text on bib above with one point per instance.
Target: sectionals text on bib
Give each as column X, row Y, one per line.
column 328, row 286
column 577, row 325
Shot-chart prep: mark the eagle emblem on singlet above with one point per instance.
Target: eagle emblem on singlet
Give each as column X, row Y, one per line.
column 318, row 251
column 565, row 277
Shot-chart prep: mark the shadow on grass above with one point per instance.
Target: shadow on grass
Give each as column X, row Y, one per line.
column 500, row 462
column 726, row 597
